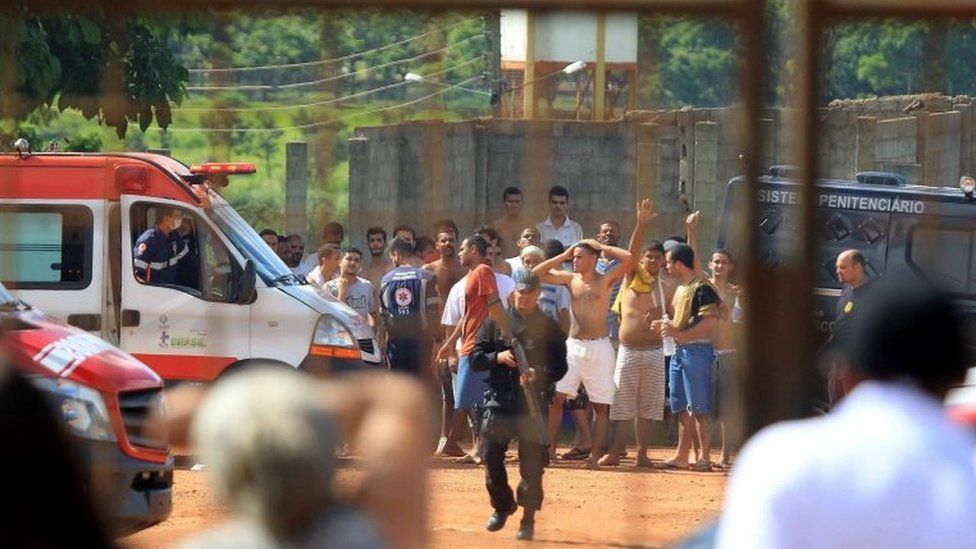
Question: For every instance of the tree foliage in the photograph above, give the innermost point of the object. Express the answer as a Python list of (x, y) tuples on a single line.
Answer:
[(119, 71)]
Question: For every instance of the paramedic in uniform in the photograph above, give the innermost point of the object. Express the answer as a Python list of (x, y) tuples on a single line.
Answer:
[(158, 251)]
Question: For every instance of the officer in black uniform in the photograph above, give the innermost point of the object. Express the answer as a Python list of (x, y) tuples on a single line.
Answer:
[(158, 251), (506, 408)]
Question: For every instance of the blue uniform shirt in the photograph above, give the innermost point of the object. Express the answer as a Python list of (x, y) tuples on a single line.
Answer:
[(156, 256)]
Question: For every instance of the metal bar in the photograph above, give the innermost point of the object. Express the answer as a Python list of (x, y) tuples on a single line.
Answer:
[(529, 100), (717, 8), (600, 81)]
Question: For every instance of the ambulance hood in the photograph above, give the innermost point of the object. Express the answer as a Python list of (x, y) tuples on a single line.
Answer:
[(39, 345), (322, 302)]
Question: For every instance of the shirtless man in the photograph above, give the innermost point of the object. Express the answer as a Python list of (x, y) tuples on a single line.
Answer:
[(639, 375), (379, 262), (447, 271), (589, 352), (510, 225), (722, 266)]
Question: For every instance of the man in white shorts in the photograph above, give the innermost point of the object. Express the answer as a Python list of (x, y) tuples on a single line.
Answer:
[(589, 353)]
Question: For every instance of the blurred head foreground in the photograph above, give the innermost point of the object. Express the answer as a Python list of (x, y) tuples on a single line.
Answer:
[(271, 447), (909, 332)]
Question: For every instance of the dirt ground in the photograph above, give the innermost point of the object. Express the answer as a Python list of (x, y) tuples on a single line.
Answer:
[(620, 506)]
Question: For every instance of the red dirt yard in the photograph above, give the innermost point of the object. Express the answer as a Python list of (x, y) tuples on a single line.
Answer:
[(618, 506)]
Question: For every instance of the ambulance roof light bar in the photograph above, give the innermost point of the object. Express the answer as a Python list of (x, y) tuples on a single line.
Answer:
[(223, 168)]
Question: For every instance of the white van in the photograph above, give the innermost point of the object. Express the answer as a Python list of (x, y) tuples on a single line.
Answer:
[(68, 225)]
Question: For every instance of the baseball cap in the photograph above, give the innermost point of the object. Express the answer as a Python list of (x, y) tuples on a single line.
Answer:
[(525, 280)]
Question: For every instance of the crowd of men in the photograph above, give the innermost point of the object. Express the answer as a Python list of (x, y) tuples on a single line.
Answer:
[(613, 335)]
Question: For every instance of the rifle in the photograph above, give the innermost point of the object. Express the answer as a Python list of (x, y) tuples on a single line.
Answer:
[(531, 392)]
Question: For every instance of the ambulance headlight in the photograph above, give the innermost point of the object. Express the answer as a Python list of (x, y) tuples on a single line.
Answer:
[(968, 185), (330, 332), (81, 409)]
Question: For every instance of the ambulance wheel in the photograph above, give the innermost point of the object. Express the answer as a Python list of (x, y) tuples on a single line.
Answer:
[(251, 364)]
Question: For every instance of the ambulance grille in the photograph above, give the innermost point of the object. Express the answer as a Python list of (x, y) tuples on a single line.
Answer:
[(366, 346), (137, 409)]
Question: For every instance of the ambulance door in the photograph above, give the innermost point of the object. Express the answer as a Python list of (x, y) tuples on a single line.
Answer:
[(50, 257), (193, 329)]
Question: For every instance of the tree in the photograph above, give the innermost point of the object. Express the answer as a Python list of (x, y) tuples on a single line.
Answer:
[(118, 70)]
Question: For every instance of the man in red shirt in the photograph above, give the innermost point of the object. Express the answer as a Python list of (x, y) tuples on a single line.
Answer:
[(481, 299)]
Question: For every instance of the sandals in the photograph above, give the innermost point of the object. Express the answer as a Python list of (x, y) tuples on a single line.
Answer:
[(703, 466), (576, 453)]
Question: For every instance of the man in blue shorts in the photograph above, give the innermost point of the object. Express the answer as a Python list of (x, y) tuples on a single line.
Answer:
[(696, 308)]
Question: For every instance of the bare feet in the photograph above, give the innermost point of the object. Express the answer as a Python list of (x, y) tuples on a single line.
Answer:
[(448, 449), (610, 459), (468, 459), (671, 464), (644, 461), (592, 463)]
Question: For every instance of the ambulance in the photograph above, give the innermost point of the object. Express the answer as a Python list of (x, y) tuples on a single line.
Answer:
[(68, 226), (106, 401)]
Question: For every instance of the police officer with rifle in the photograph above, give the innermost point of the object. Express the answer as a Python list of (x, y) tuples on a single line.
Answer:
[(517, 398)]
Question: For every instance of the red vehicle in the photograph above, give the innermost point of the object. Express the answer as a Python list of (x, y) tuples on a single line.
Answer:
[(106, 399)]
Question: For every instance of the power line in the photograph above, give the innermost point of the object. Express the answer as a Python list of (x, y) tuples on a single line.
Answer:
[(350, 74), (335, 59), (334, 99), (323, 122)]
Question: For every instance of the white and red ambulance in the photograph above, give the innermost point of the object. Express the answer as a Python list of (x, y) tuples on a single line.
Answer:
[(107, 401), (68, 224)]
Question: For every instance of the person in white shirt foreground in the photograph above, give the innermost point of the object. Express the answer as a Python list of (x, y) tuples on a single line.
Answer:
[(886, 467)]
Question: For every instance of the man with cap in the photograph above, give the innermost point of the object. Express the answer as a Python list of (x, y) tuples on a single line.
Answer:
[(507, 409)]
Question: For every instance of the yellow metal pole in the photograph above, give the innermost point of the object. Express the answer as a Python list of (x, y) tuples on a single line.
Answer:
[(528, 94), (600, 82)]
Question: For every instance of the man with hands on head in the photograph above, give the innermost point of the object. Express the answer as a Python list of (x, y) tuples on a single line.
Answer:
[(590, 354)]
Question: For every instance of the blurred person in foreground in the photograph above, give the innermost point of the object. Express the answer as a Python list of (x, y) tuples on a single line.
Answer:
[(886, 467), (269, 437), (47, 503), (508, 412)]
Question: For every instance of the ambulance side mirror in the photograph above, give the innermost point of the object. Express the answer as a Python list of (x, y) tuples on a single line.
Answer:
[(246, 283)]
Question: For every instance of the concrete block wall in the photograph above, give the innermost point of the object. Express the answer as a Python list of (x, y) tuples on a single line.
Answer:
[(939, 153), (416, 172)]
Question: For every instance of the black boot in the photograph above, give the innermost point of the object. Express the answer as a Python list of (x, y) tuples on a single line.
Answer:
[(498, 519), (526, 529)]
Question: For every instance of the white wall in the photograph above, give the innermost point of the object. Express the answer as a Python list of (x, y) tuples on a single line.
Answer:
[(513, 26), (569, 36)]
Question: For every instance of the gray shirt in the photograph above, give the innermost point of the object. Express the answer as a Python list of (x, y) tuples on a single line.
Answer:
[(359, 296)]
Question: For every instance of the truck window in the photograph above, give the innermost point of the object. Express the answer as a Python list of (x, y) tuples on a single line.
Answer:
[(205, 268), (944, 256), (46, 247)]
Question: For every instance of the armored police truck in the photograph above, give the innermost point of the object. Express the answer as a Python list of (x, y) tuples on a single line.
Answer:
[(896, 226)]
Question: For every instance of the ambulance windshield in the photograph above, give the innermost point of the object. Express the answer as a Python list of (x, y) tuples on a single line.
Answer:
[(5, 296), (268, 265)]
